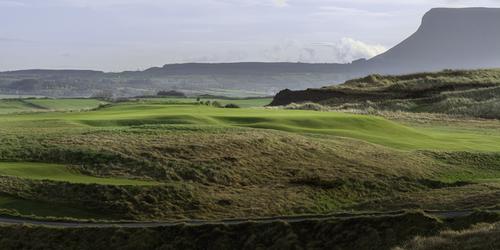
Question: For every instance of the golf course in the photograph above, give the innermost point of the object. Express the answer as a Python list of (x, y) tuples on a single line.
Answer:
[(161, 158)]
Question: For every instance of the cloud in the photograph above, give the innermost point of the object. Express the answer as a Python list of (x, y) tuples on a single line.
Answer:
[(8, 3), (281, 3)]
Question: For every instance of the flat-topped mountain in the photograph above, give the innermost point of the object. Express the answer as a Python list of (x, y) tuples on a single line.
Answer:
[(466, 38)]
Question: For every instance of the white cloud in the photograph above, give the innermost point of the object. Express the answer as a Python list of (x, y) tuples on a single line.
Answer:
[(281, 3), (8, 3)]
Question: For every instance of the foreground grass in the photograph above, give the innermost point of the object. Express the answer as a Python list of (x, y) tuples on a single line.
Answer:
[(55, 172), (227, 163)]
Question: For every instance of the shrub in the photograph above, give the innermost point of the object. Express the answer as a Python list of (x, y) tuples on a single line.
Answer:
[(231, 106), (217, 104)]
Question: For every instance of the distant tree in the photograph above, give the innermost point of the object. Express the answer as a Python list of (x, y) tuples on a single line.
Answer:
[(231, 106), (217, 104)]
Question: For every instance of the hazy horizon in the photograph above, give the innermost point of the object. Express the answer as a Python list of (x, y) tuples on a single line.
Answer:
[(112, 35)]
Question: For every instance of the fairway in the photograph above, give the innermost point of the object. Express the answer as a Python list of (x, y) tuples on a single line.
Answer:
[(9, 106), (363, 127), (55, 172), (65, 104)]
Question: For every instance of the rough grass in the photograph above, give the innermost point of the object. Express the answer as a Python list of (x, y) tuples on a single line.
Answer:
[(480, 236), (473, 93), (19, 207)]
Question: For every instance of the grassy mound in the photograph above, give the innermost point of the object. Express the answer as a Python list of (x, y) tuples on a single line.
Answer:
[(466, 93)]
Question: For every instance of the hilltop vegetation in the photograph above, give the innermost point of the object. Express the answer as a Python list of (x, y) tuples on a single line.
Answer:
[(465, 93)]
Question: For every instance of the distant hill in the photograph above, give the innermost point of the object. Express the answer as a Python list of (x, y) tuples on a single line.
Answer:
[(447, 39), (227, 79), (466, 38)]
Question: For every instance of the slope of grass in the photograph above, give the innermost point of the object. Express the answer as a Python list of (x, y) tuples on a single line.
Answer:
[(244, 103), (369, 128), (65, 104), (8, 106), (54, 172)]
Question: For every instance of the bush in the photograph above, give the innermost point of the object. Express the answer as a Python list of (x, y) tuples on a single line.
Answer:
[(231, 106), (217, 104)]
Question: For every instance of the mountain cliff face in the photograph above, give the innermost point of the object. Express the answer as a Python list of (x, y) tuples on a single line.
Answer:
[(466, 38)]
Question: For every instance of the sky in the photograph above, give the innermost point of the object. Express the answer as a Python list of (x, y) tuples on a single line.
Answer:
[(116, 35)]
